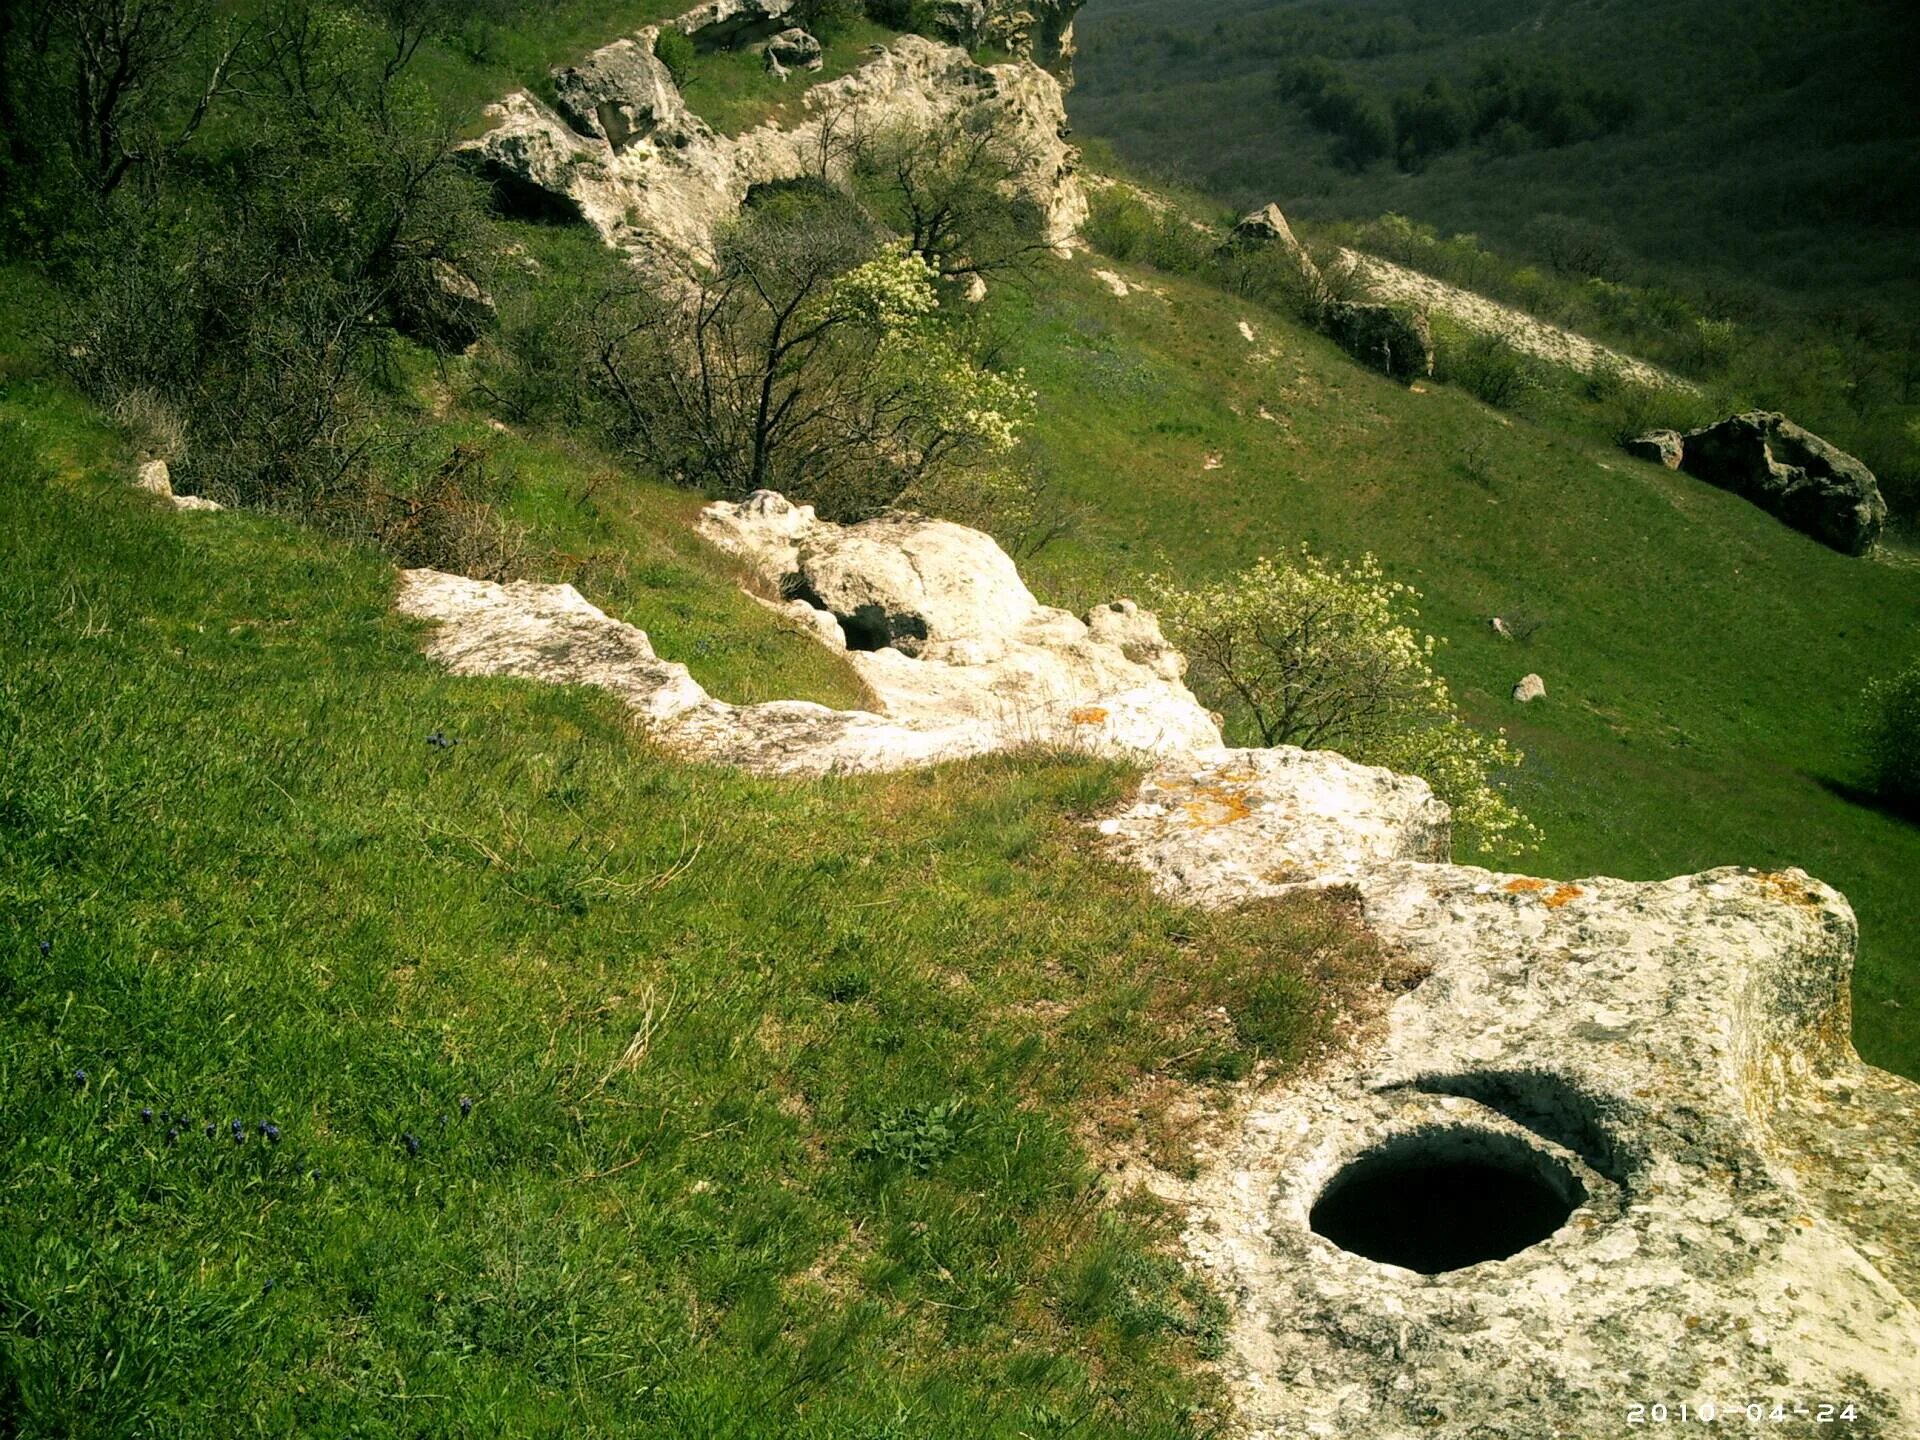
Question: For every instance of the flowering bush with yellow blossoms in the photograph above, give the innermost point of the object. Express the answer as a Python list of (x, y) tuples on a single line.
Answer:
[(1301, 652)]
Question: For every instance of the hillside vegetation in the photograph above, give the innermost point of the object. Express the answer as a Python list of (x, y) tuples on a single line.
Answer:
[(1729, 190), (387, 1052)]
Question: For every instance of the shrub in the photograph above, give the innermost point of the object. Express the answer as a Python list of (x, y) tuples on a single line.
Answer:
[(676, 52), (1891, 737), (1490, 369), (1300, 652)]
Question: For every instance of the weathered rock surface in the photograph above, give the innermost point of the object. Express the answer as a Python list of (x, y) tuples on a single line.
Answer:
[(794, 49), (659, 191), (619, 92), (1660, 447), (1528, 689), (154, 477), (1793, 474), (1732, 1196), (940, 627), (965, 662), (1395, 341), (734, 24), (1039, 30), (1268, 226)]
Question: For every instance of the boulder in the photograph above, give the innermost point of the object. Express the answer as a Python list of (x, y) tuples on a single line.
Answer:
[(734, 24), (1792, 474), (1660, 447), (618, 93), (1395, 341), (1266, 226), (794, 49), (1530, 689)]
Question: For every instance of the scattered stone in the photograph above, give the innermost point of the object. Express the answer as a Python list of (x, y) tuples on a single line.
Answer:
[(1395, 341), (1113, 282), (1792, 474), (1530, 688), (1499, 627), (619, 93), (794, 49), (1661, 447)]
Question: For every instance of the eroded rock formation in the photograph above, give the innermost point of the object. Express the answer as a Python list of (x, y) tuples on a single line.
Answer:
[(1605, 1153), (1614, 1147), (959, 657), (655, 180)]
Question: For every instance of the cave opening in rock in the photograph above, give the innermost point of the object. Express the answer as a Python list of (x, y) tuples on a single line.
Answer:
[(1435, 1201)]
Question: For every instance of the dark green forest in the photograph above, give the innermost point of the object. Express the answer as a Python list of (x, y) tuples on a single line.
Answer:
[(1775, 139)]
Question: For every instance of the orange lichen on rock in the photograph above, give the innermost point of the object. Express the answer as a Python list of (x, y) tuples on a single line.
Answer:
[(1784, 888), (1216, 805), (1089, 715), (1555, 895)]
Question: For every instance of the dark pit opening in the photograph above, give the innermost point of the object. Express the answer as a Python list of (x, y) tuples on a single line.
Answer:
[(1435, 1201)]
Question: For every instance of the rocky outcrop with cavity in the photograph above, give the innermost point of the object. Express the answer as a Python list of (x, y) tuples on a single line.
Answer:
[(959, 657), (939, 626), (1395, 341), (1792, 474), (1615, 1148), (628, 159)]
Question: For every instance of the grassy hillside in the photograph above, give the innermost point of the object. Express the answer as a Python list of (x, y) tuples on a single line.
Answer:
[(1702, 661), (787, 1099), (1771, 142)]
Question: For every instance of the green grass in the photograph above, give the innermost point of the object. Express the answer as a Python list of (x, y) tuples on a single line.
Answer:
[(781, 1089), (733, 90), (1702, 661)]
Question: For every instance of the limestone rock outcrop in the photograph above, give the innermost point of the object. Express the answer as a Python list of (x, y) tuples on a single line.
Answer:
[(1658, 447), (941, 629), (656, 181), (1039, 30), (963, 661), (154, 477), (619, 93), (734, 24), (1793, 474), (1528, 689), (1396, 341), (1603, 1154)]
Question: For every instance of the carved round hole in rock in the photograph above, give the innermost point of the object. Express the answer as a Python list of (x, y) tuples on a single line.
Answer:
[(1439, 1200)]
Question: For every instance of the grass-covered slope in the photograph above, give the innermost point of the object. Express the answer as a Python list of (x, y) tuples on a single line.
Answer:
[(775, 1086), (1702, 661)]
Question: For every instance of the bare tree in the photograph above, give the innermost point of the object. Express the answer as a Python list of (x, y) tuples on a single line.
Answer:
[(958, 192), (130, 107)]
